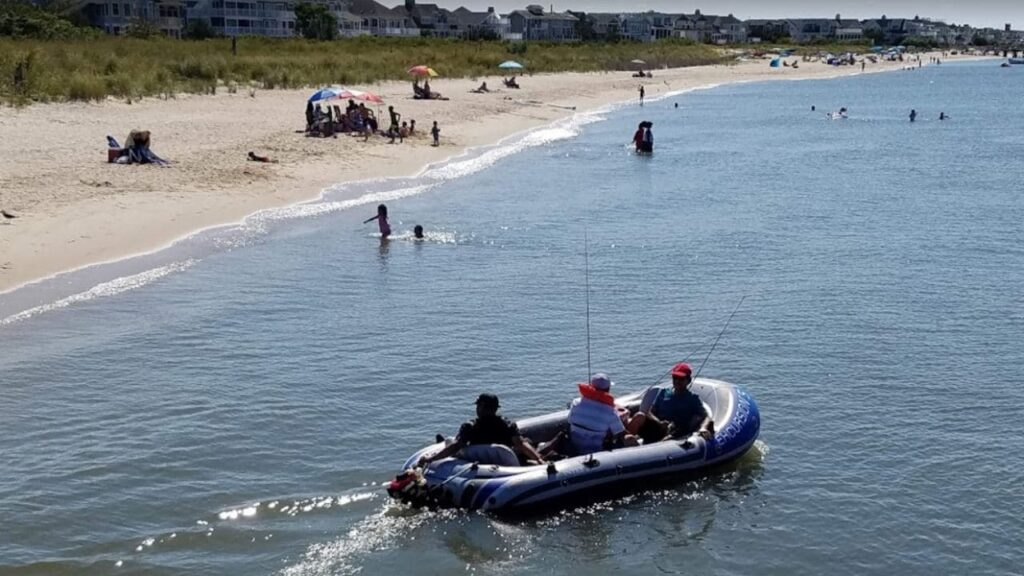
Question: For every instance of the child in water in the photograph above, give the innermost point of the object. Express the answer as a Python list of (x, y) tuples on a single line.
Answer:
[(382, 221)]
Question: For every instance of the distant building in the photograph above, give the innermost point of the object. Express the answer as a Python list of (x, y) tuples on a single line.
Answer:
[(474, 25), (711, 29), (767, 30), (379, 20), (116, 16), (535, 24)]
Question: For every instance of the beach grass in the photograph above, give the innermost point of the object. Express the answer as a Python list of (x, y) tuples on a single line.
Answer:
[(127, 68)]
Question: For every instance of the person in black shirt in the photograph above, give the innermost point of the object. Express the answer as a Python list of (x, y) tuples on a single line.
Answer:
[(488, 428)]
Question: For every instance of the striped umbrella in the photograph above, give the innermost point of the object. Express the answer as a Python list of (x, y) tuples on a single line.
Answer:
[(346, 94), (325, 94), (422, 70)]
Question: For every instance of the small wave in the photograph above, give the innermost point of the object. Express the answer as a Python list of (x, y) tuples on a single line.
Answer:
[(389, 525), (293, 508), (106, 289)]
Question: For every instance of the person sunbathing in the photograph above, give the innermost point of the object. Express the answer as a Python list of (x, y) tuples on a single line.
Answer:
[(511, 82), (483, 88), (255, 158)]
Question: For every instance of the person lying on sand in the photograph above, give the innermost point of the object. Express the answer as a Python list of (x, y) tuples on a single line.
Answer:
[(481, 89), (254, 158)]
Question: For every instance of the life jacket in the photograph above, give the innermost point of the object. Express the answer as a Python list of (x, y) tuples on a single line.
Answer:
[(588, 391)]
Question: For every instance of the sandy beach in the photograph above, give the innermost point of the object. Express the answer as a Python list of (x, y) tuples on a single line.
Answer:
[(74, 209)]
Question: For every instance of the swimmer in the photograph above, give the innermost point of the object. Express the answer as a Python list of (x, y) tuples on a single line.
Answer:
[(418, 232), (382, 221)]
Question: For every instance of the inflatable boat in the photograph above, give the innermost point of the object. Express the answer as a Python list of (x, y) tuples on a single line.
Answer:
[(489, 478)]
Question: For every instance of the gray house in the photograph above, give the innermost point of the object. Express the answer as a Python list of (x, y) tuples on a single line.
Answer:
[(469, 24), (709, 28), (431, 19), (810, 29), (380, 20), (116, 16), (535, 24)]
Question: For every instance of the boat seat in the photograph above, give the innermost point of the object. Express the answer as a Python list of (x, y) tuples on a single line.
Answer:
[(489, 454), (647, 400)]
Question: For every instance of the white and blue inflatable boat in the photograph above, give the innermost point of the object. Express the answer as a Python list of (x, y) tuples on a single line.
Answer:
[(489, 477)]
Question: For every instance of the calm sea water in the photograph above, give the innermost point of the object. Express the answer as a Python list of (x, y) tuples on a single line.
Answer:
[(236, 410)]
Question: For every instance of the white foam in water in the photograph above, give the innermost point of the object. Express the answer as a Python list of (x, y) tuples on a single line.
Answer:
[(372, 533), (111, 288)]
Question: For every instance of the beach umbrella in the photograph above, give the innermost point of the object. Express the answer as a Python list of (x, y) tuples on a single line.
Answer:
[(325, 94), (510, 65), (637, 61), (422, 70), (346, 94)]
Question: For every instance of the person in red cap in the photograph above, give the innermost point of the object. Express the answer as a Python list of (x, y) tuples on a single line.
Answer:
[(677, 413), (488, 428)]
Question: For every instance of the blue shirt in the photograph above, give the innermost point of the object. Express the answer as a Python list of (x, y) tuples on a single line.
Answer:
[(685, 410)]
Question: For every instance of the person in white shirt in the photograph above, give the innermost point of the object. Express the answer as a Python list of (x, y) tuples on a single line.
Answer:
[(595, 424)]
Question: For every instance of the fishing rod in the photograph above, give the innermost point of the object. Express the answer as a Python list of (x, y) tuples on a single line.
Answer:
[(697, 373), (586, 272), (688, 356)]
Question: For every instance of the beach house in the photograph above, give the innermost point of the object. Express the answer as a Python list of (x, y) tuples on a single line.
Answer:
[(116, 16), (477, 25), (709, 28), (535, 24)]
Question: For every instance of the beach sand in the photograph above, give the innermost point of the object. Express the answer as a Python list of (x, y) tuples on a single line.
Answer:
[(74, 209)]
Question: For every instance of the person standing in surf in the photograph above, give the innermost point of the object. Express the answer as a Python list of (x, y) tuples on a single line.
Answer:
[(638, 138), (648, 146), (641, 94), (382, 221)]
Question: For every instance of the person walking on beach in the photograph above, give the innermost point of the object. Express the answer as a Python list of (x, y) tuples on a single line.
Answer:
[(436, 133), (395, 117), (382, 221), (913, 114), (862, 64), (641, 94)]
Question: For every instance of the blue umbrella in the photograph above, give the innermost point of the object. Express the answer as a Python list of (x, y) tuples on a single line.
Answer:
[(325, 94), (510, 65)]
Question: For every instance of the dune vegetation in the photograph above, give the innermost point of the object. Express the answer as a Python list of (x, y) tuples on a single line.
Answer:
[(34, 70)]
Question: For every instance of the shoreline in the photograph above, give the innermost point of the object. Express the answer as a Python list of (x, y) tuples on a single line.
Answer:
[(71, 220)]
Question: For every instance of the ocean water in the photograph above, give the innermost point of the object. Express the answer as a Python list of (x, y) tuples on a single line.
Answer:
[(234, 404)]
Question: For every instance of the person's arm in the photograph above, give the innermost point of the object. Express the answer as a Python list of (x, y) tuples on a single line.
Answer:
[(368, 220), (707, 425), (448, 450), (707, 428), (526, 448)]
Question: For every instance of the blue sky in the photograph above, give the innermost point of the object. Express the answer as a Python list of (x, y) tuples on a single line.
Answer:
[(979, 13)]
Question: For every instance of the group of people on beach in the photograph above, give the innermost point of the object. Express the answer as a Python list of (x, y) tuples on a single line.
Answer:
[(595, 422), (358, 119), (424, 92)]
